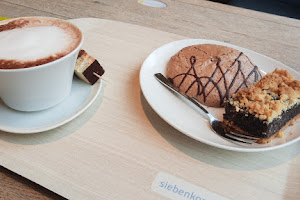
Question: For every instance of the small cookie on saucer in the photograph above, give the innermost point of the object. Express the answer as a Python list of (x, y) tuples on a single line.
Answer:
[(87, 68)]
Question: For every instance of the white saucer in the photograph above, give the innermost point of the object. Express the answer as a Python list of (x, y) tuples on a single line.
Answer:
[(184, 117), (81, 97)]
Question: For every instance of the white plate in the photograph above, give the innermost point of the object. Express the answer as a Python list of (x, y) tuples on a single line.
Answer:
[(184, 117), (81, 97)]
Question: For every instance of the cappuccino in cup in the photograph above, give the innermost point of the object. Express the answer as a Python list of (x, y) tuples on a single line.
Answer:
[(32, 41), (37, 60)]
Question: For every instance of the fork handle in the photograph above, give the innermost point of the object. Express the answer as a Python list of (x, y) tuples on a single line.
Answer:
[(198, 104), (163, 80)]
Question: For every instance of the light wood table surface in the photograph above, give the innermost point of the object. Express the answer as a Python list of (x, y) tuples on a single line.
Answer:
[(274, 36)]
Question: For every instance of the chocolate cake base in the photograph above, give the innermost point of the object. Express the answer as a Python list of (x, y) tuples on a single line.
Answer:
[(247, 123)]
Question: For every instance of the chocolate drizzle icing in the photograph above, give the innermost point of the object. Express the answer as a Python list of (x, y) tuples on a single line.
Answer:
[(203, 81)]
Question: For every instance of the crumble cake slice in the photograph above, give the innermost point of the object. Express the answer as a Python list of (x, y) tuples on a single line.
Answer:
[(265, 108)]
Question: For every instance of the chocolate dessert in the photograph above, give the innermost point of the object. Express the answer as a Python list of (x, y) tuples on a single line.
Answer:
[(88, 68), (211, 73), (265, 108)]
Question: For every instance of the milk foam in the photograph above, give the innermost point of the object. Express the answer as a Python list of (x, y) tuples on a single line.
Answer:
[(32, 43)]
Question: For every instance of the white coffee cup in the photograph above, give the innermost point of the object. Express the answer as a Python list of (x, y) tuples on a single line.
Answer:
[(43, 86)]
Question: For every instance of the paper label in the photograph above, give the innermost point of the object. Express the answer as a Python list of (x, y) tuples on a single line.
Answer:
[(177, 189)]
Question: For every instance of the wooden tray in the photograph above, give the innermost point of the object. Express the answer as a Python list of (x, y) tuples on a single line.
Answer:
[(119, 146)]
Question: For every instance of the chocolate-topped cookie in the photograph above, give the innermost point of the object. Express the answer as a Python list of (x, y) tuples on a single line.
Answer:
[(211, 73)]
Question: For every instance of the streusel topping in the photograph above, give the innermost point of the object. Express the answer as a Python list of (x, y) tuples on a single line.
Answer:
[(268, 98)]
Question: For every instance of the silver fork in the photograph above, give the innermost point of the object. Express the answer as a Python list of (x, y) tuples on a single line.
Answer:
[(217, 126)]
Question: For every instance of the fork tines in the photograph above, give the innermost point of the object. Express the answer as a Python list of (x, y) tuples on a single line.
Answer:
[(242, 138)]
